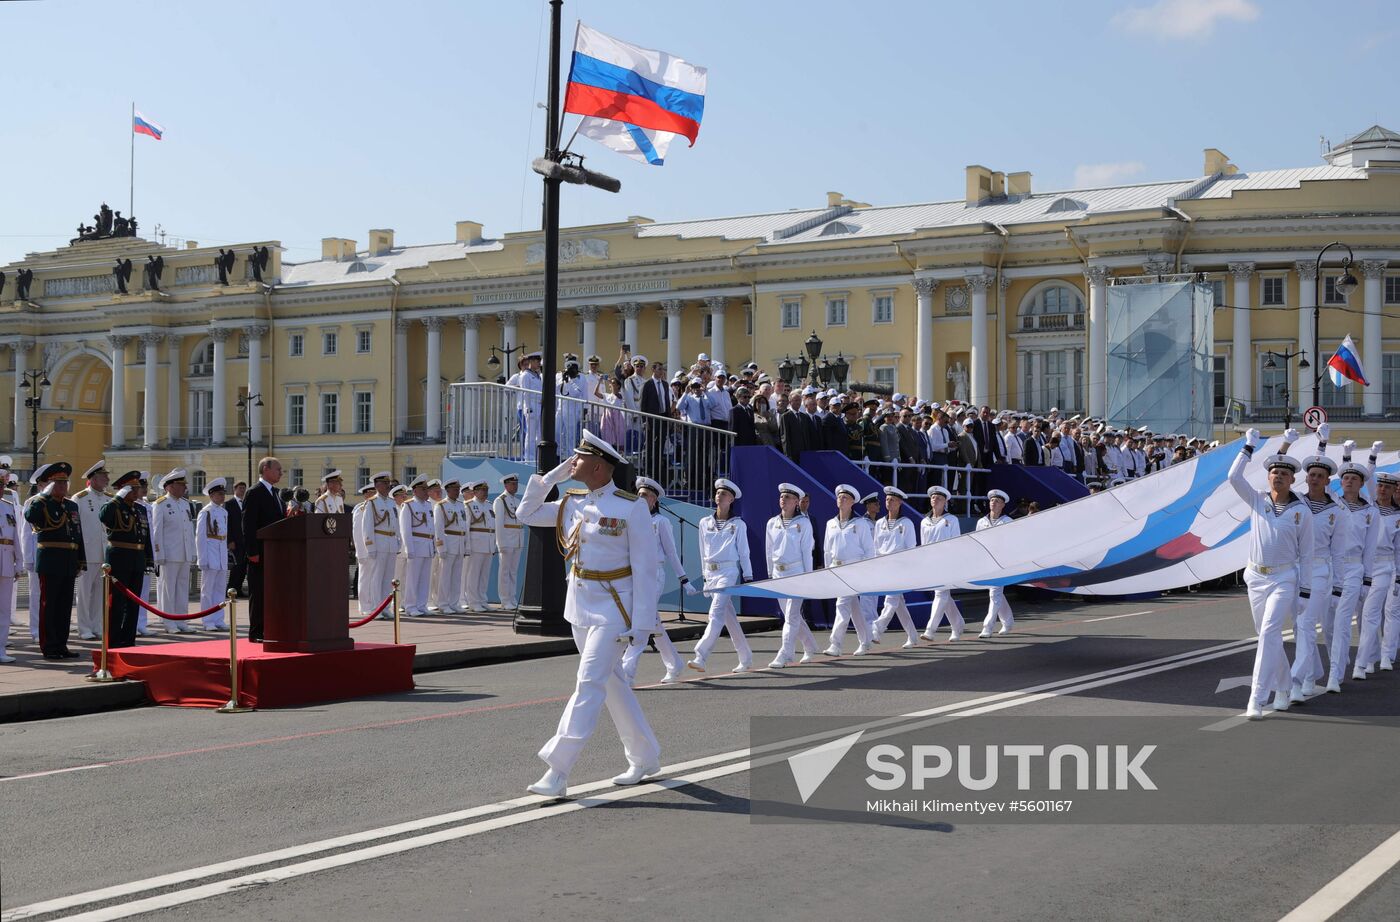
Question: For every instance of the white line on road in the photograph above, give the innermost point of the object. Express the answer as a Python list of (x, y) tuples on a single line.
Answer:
[(55, 771), (1131, 614), (1350, 884)]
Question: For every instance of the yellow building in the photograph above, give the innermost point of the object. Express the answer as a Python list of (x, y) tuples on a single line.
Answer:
[(1000, 292)]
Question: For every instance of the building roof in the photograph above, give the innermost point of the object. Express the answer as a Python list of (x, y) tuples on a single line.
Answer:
[(1227, 186), (1374, 133), (377, 268)]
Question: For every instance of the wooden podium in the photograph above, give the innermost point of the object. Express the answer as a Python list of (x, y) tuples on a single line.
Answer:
[(306, 584)]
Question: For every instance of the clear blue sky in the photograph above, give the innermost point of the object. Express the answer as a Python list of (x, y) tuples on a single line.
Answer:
[(297, 121)]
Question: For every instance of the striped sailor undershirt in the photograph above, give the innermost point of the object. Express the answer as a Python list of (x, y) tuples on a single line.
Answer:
[(1317, 505)]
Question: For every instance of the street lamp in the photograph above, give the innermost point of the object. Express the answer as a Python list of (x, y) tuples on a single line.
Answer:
[(245, 403), (1344, 286), (494, 362), (840, 369), (34, 382), (1286, 357), (786, 370), (824, 372)]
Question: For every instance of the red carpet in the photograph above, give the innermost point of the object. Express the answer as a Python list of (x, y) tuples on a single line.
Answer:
[(196, 674)]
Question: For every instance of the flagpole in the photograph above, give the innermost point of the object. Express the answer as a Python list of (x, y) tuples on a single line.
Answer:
[(131, 189)]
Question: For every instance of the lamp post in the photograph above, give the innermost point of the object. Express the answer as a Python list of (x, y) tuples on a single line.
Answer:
[(494, 361), (1344, 287), (1286, 357), (840, 369), (34, 383), (245, 403), (813, 345), (786, 370)]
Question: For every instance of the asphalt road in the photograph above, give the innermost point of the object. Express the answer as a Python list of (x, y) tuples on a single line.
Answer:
[(413, 806)]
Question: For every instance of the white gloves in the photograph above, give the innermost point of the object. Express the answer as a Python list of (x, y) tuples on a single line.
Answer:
[(1323, 431), (1377, 447), (691, 590), (560, 473), (1290, 435), (635, 637), (1251, 438), (1347, 448)]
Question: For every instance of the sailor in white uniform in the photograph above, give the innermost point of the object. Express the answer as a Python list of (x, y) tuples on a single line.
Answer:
[(510, 543), (362, 549), (940, 525), (870, 603), (651, 493), (895, 533), (400, 494), (1359, 525), (1381, 572), (610, 547), (725, 561), (1315, 588), (10, 563), (450, 537), (1280, 542), (416, 533), (532, 382), (211, 552), (481, 547), (849, 538), (788, 545), (997, 606), (88, 589), (332, 497), (172, 541)]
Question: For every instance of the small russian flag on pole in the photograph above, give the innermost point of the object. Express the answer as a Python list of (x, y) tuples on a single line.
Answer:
[(1345, 365), (142, 125)]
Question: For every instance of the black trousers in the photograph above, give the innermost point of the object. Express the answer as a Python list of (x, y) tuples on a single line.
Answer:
[(55, 612), (255, 601), (121, 611), (238, 573)]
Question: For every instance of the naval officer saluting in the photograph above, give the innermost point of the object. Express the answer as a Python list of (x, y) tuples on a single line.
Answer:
[(611, 550)]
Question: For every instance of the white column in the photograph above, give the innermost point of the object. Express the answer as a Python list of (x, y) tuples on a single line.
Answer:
[(509, 335), (471, 346), (400, 376), (1373, 271), (1037, 382), (149, 416), (255, 332), (173, 378), (1307, 301), (977, 286), (118, 344), (22, 347), (1242, 353), (432, 389), (923, 338), (1004, 325), (630, 311), (716, 307), (1096, 374), (588, 315), (673, 308), (218, 431)]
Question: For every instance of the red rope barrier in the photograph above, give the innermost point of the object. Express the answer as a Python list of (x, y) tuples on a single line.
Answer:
[(156, 611), (374, 614)]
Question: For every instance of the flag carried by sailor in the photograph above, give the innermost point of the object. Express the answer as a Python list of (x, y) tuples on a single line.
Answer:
[(633, 100), (1345, 365)]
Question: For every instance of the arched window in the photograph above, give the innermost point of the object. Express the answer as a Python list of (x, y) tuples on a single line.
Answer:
[(1052, 306), (1056, 299), (197, 481), (202, 360)]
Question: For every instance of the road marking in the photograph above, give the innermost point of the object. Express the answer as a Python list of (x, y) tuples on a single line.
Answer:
[(56, 771), (974, 707), (1350, 884), (1131, 614), (1236, 681)]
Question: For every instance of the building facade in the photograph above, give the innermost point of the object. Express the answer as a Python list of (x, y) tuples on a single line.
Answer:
[(998, 298)]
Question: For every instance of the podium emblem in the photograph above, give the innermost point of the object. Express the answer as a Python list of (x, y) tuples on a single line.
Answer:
[(330, 524)]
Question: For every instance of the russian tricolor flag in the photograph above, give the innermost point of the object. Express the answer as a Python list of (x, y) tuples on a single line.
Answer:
[(1345, 365), (634, 100), (142, 125)]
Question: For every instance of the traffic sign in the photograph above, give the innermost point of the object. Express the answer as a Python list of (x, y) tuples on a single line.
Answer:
[(1314, 417)]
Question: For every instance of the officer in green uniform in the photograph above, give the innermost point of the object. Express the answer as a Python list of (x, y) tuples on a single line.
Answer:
[(128, 554), (870, 431), (59, 534)]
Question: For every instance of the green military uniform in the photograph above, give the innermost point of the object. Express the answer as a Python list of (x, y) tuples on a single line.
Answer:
[(129, 555), (59, 558)]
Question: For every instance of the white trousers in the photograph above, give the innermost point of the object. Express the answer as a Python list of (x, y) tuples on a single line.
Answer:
[(944, 606), (447, 582), (531, 435), (376, 575), (145, 594), (7, 609), (33, 580), (1368, 649), (476, 574), (400, 574), (213, 588), (632, 658), (723, 618), (600, 682), (173, 592), (415, 585), (1307, 656), (1272, 600), (870, 609), (997, 608), (87, 596), (848, 613), (1390, 636), (434, 583), (1336, 629), (508, 577), (895, 605), (795, 629)]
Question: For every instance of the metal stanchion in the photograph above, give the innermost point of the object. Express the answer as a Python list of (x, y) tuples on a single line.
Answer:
[(232, 707), (395, 604), (102, 675)]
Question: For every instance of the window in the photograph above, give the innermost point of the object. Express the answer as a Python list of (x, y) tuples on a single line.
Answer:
[(1057, 299), (296, 414), (665, 328), (298, 478), (1217, 291), (296, 345), (409, 473), (330, 411), (579, 325), (836, 312), (330, 342), (1056, 383), (197, 481), (621, 330), (882, 375), (364, 411), (202, 362), (1390, 379), (791, 315), (1273, 383), (884, 309), (361, 477), (1271, 290), (201, 414), (707, 325), (1330, 295), (1392, 289), (1218, 370), (1076, 398), (362, 341), (748, 320)]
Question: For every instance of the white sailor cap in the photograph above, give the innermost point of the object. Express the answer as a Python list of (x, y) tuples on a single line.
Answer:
[(639, 360), (6, 462), (1000, 493), (936, 490), (872, 497), (590, 444), (475, 484), (792, 488), (434, 483), (702, 357), (726, 484), (680, 375), (1321, 461), (848, 490), (537, 354), (896, 491), (420, 481), (367, 488), (646, 483), (511, 477), (145, 476), (218, 483), (1273, 461), (333, 475), (1117, 482), (398, 488), (382, 475), (448, 483), (175, 476), (99, 466), (1352, 467), (1387, 477)]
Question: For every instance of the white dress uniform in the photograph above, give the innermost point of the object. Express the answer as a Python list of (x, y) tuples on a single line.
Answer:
[(870, 604), (891, 537), (848, 542), (666, 551), (211, 541), (1358, 524), (88, 589), (724, 555), (328, 504), (1280, 541), (1378, 594), (172, 542), (450, 536), (529, 408), (481, 546), (377, 546), (997, 606), (416, 533), (611, 549), (11, 565), (788, 545), (29, 551), (510, 544), (1315, 592), (932, 530)]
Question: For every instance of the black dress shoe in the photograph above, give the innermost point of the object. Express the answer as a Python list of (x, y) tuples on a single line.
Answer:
[(254, 639)]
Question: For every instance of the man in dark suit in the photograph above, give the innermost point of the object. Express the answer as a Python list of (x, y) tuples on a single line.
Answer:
[(741, 419), (239, 570), (656, 401), (261, 507), (793, 433), (911, 451)]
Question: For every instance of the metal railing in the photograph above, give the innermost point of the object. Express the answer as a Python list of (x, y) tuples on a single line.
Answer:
[(1052, 322), (491, 420), (915, 479)]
